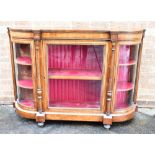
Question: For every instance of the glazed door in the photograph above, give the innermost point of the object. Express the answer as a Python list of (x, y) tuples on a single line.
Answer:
[(24, 67), (75, 75), (126, 59)]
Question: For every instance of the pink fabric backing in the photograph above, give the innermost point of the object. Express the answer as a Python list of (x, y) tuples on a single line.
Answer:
[(74, 93), (75, 60)]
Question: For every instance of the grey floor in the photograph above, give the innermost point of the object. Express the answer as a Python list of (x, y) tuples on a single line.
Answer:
[(11, 123)]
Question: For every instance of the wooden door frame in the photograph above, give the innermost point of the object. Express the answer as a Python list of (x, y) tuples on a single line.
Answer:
[(45, 73), (115, 75), (33, 57)]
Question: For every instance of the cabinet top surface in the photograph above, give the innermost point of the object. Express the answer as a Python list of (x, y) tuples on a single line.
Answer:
[(72, 34), (48, 29)]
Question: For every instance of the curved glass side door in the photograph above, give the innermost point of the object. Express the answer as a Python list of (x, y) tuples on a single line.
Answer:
[(126, 75), (23, 59)]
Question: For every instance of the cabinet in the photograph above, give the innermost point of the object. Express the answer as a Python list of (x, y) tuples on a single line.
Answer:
[(79, 75)]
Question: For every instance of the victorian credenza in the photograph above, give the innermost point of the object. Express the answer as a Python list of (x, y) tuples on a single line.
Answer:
[(78, 75)]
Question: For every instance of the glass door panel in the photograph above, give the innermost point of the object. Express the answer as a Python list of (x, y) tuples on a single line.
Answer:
[(23, 70), (74, 93), (75, 75), (126, 75)]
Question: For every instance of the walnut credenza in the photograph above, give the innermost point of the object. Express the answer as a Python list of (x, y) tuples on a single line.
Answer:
[(79, 75)]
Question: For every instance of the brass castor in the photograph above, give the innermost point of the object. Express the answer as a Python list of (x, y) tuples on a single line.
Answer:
[(40, 124), (107, 126)]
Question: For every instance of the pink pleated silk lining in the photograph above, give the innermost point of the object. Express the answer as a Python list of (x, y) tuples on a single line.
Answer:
[(79, 60)]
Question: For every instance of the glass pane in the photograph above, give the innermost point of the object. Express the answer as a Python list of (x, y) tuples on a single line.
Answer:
[(74, 93), (23, 70), (75, 74), (126, 75)]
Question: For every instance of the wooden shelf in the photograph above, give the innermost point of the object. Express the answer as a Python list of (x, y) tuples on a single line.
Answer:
[(25, 84), (131, 62), (27, 103), (74, 74), (24, 61), (124, 86), (74, 105)]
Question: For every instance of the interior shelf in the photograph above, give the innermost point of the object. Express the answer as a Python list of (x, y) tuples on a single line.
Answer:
[(27, 103), (131, 62), (75, 105), (24, 60), (74, 74), (25, 84), (124, 86)]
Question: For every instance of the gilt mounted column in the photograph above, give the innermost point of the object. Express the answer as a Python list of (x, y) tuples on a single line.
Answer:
[(37, 40)]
